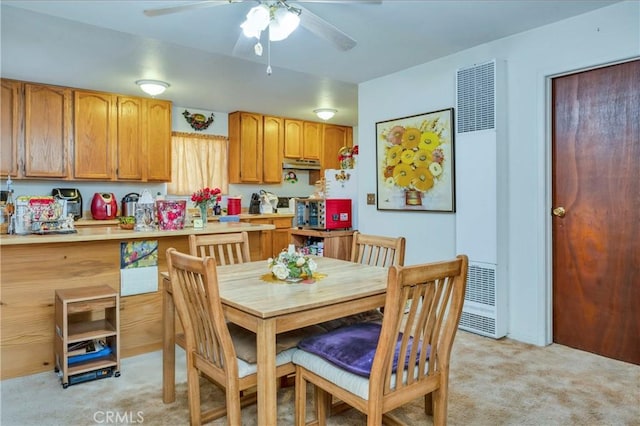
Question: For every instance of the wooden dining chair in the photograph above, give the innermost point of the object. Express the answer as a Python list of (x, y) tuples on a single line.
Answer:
[(231, 249), (226, 249), (376, 250), (377, 368), (209, 348), (372, 250)]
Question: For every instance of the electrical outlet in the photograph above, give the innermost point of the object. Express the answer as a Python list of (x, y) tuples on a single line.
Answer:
[(371, 198)]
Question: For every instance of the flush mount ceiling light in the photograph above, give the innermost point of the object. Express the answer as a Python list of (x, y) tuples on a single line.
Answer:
[(152, 87), (325, 113)]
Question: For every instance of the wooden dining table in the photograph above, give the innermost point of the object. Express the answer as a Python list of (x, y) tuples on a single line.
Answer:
[(268, 307)]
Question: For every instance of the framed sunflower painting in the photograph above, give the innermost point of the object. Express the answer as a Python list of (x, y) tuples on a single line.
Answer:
[(415, 168)]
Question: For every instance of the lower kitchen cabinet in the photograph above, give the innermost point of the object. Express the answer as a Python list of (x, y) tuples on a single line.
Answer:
[(266, 244), (337, 244)]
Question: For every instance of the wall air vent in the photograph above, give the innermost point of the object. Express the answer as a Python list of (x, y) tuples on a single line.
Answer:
[(476, 98), (480, 313), (481, 195)]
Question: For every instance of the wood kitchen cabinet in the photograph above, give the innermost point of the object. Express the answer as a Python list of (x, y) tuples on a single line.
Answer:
[(47, 131), (334, 137), (245, 147), (130, 153), (66, 133), (95, 135), (266, 244), (312, 141), (11, 98), (273, 143), (302, 139), (293, 138), (255, 148), (158, 140), (122, 137)]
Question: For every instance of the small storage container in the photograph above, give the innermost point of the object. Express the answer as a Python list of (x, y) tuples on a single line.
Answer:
[(171, 214), (233, 205)]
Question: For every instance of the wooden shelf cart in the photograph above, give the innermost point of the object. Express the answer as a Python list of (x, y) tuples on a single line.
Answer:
[(83, 315)]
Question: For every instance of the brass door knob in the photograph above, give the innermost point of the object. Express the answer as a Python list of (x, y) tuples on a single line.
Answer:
[(559, 211)]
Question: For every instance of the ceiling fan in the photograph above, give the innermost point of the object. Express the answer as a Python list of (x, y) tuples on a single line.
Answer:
[(276, 8)]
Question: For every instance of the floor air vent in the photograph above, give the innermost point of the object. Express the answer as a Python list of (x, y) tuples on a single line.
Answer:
[(480, 313)]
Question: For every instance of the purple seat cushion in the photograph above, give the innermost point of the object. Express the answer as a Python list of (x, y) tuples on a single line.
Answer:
[(351, 347)]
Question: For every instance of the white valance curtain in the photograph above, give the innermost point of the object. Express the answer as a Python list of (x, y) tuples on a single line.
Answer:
[(197, 161)]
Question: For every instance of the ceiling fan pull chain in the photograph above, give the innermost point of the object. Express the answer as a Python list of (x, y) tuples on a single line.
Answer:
[(269, 56)]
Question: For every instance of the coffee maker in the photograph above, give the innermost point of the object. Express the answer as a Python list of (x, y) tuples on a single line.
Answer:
[(73, 198)]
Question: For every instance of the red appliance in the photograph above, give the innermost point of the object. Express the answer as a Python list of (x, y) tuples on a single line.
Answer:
[(330, 213), (104, 206)]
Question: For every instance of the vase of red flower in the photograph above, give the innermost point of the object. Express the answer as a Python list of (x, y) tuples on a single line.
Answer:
[(205, 197)]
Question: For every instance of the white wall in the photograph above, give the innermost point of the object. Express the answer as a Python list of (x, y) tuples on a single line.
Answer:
[(605, 36)]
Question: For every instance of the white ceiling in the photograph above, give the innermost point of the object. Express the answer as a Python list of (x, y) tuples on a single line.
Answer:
[(107, 45)]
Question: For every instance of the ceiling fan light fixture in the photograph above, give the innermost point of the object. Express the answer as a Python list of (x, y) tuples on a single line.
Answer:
[(284, 22), (257, 21), (152, 87), (325, 113)]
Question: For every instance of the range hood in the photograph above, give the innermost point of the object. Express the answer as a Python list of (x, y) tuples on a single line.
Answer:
[(290, 163)]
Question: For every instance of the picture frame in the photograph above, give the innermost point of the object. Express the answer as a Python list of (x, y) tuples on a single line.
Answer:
[(415, 167)]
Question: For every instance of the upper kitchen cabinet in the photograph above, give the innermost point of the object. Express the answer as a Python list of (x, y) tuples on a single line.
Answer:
[(312, 141), (302, 139), (255, 148), (11, 98), (333, 138), (130, 154), (245, 147), (293, 138), (47, 131), (95, 135), (273, 143), (158, 140), (122, 138)]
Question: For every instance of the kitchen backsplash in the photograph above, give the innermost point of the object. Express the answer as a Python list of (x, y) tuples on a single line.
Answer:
[(119, 189)]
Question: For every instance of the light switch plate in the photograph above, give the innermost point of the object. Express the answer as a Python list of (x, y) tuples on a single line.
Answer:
[(371, 198)]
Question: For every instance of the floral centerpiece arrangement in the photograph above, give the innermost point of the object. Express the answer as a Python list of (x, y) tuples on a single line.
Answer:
[(292, 266), (206, 196)]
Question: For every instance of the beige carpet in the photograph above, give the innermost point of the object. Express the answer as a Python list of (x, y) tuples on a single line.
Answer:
[(492, 383)]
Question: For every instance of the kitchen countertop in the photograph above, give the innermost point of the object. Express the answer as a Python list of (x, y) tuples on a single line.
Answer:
[(93, 233), (243, 216)]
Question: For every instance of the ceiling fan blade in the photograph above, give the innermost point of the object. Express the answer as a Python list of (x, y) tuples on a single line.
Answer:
[(337, 1), (325, 30), (189, 6)]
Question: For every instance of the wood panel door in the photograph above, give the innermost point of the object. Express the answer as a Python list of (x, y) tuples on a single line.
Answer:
[(273, 142), (47, 131), (311, 140), (131, 151), (10, 110), (293, 137), (94, 135), (596, 238), (158, 140), (334, 138), (245, 147)]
